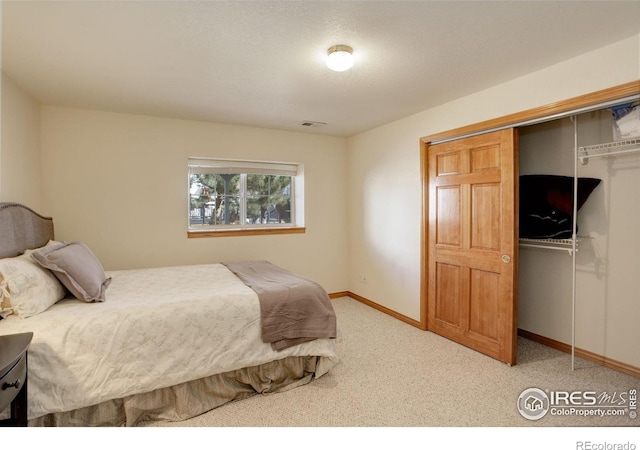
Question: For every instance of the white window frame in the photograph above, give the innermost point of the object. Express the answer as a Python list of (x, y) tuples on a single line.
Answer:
[(244, 167)]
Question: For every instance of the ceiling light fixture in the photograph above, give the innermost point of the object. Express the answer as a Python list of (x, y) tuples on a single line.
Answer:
[(340, 58)]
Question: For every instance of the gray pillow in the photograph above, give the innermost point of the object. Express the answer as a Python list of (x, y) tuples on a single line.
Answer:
[(76, 267)]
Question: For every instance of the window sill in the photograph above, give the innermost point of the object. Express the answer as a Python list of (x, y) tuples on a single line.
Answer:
[(244, 232)]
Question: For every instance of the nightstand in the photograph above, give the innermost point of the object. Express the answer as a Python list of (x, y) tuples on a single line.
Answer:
[(13, 377)]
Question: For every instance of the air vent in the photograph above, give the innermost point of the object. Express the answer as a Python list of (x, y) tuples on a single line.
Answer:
[(310, 123)]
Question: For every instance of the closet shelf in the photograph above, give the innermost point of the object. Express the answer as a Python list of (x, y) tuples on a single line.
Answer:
[(609, 149), (550, 244)]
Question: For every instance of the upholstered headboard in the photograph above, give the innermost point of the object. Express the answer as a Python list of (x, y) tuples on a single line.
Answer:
[(21, 228)]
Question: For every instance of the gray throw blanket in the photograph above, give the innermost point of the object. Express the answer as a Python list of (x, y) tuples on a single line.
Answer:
[(293, 309)]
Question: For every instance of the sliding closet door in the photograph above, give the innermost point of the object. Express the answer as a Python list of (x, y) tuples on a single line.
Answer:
[(472, 245)]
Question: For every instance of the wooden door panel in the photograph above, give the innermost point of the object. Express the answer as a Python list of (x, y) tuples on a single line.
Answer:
[(472, 250), (448, 294), (483, 304), (485, 216), (485, 158), (449, 164), (449, 221)]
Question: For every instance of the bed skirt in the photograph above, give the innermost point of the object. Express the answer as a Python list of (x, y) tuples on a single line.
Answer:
[(193, 398)]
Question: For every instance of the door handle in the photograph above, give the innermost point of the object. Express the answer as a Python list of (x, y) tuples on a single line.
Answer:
[(506, 259)]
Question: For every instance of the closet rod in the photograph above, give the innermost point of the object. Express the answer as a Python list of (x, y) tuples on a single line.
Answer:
[(561, 115)]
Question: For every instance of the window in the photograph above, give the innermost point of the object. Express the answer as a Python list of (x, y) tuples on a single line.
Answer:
[(243, 197)]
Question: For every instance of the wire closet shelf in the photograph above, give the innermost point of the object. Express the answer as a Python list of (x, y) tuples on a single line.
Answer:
[(626, 147), (552, 244)]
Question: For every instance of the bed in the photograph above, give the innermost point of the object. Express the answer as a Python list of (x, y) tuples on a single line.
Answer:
[(155, 344)]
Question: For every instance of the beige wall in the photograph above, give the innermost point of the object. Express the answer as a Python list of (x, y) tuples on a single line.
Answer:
[(384, 169), (20, 148), (118, 182)]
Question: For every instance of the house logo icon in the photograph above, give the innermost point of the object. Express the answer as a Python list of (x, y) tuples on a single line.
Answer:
[(533, 404)]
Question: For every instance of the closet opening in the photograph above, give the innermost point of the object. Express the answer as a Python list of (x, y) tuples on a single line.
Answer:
[(580, 298)]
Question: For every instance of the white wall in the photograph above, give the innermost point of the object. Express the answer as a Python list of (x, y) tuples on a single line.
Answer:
[(384, 168), (20, 155), (118, 182)]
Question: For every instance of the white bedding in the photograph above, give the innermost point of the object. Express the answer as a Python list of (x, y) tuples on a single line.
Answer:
[(157, 328)]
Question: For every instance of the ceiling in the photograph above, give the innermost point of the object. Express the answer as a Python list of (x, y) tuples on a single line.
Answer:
[(261, 63)]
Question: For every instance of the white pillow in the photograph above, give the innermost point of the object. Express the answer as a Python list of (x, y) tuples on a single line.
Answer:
[(26, 288)]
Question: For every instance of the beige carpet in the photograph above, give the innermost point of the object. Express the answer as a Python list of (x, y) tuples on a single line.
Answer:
[(394, 375)]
